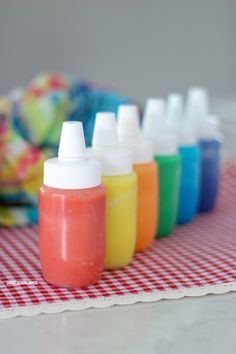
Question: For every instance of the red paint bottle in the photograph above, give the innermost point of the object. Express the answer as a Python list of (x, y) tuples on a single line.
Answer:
[(72, 214)]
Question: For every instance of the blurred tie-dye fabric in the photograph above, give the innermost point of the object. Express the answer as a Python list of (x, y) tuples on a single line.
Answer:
[(30, 125)]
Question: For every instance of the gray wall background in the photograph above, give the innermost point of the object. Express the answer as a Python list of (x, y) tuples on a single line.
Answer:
[(140, 48)]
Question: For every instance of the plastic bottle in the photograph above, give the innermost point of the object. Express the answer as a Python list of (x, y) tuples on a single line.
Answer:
[(129, 135), (167, 158), (72, 214), (209, 138), (120, 183), (189, 152)]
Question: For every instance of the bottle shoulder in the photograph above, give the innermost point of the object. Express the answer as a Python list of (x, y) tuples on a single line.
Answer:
[(190, 150), (167, 158), (93, 192), (145, 167), (210, 142), (129, 177)]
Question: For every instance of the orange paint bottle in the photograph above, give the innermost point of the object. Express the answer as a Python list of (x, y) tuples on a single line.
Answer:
[(129, 134), (72, 214), (147, 203)]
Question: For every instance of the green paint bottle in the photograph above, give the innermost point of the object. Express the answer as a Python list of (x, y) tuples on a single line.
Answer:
[(168, 161)]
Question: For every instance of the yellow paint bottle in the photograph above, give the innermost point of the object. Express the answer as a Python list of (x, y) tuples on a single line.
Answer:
[(120, 183)]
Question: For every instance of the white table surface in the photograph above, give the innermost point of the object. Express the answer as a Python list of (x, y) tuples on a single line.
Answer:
[(203, 325)]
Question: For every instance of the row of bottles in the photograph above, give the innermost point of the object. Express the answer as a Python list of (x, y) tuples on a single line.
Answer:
[(98, 207), (193, 135)]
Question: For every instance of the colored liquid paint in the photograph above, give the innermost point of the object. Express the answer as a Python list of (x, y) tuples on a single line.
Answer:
[(121, 196), (189, 183), (72, 235), (169, 191), (147, 204), (210, 173)]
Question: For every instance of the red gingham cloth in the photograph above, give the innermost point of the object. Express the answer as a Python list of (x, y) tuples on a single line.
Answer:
[(196, 259)]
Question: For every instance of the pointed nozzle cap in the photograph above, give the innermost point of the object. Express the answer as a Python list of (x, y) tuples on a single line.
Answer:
[(128, 121), (72, 169), (210, 128), (154, 106), (104, 134), (130, 137), (197, 104), (176, 121), (72, 144), (114, 160), (174, 110), (154, 117)]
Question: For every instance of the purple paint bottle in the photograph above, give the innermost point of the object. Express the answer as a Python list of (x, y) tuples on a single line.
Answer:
[(209, 139), (210, 146)]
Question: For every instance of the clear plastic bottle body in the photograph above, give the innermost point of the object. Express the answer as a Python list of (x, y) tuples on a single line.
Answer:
[(72, 235), (121, 203)]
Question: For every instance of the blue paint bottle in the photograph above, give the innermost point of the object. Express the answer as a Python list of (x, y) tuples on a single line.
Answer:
[(189, 152), (209, 138)]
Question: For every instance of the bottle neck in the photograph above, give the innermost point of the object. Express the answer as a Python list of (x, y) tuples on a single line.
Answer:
[(79, 174), (141, 149), (115, 161)]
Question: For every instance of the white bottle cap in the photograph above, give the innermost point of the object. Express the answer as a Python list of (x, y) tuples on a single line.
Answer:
[(104, 134), (174, 110), (72, 169), (155, 128), (72, 145), (176, 121), (153, 115), (129, 134), (114, 160), (197, 103), (197, 108), (211, 128)]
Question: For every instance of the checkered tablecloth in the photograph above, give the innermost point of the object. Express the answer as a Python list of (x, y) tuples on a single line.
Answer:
[(197, 259)]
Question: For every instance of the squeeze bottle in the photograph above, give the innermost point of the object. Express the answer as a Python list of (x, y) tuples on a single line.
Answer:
[(209, 138), (129, 135), (167, 159), (72, 214), (189, 152), (120, 183)]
